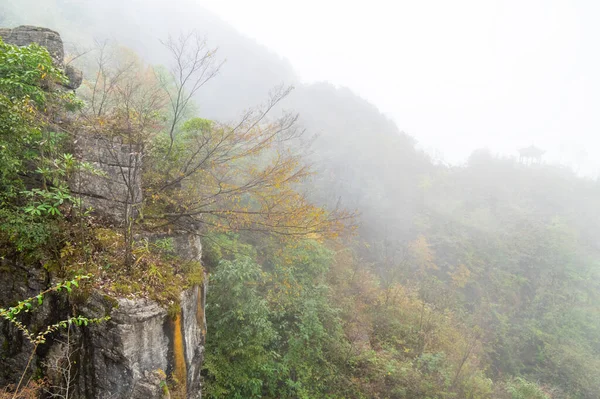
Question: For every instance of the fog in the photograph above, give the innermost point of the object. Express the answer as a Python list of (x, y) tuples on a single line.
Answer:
[(455, 75)]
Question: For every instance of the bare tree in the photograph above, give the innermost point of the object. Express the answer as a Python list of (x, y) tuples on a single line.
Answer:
[(232, 177), (194, 64), (60, 365), (125, 107), (197, 173)]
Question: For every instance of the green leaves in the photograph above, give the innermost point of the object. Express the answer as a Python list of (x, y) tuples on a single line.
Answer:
[(30, 212), (46, 202), (274, 333), (25, 70), (241, 331), (27, 97), (520, 388), (28, 304)]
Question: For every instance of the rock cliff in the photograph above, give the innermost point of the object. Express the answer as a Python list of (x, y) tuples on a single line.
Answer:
[(130, 355)]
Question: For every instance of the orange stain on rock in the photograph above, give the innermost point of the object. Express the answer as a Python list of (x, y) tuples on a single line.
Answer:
[(179, 366)]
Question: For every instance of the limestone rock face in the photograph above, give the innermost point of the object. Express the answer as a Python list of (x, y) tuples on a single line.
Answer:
[(117, 189), (194, 327), (188, 246), (126, 356), (122, 354), (25, 35), (21, 282)]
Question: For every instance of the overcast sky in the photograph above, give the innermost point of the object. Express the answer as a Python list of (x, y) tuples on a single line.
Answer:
[(456, 75)]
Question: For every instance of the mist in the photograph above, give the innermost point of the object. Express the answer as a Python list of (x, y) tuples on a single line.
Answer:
[(456, 76)]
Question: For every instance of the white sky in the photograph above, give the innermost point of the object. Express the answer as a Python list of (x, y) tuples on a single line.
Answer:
[(456, 75)]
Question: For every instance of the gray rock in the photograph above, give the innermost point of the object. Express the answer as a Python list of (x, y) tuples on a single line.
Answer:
[(106, 150), (25, 35), (150, 386), (188, 246), (75, 77), (123, 350), (126, 356), (116, 183), (118, 190), (192, 307)]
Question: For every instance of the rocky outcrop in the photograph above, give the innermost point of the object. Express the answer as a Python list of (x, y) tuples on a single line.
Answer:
[(193, 302), (128, 356), (114, 189), (131, 355), (121, 353), (25, 35)]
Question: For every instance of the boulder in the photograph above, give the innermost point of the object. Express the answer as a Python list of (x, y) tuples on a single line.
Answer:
[(75, 77)]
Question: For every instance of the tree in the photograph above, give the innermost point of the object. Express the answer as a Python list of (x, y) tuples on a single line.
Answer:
[(232, 178), (125, 111), (201, 174), (193, 65), (275, 332), (237, 362), (229, 177)]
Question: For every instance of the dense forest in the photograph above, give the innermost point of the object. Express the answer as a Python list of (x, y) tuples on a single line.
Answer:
[(342, 261)]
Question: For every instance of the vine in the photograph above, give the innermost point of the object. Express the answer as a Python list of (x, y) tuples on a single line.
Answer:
[(38, 338)]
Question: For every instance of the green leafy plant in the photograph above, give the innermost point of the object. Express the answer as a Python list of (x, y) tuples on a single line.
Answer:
[(27, 97), (47, 202), (520, 388)]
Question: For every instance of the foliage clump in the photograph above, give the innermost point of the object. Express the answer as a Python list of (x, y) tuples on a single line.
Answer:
[(32, 165)]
